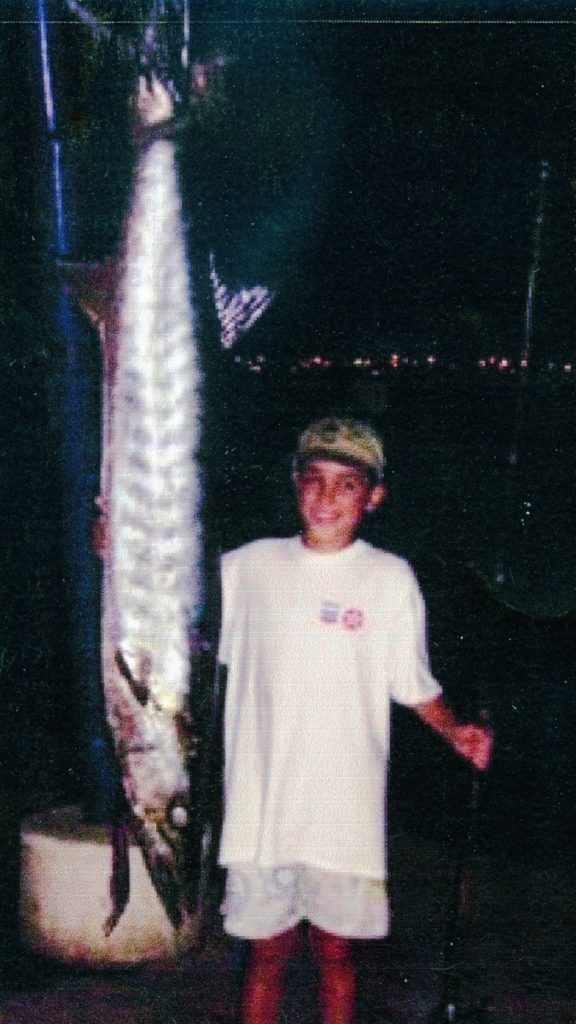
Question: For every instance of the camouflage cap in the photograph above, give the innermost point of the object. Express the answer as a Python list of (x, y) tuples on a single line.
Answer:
[(342, 440)]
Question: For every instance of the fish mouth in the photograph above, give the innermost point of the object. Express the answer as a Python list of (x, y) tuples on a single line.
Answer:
[(165, 839)]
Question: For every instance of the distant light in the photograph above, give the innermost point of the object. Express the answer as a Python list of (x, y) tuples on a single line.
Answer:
[(567, 367), (237, 359), (551, 366), (503, 364), (357, 362), (394, 359), (260, 359), (482, 363), (405, 360), (431, 360), (492, 360), (255, 368), (524, 364), (311, 362)]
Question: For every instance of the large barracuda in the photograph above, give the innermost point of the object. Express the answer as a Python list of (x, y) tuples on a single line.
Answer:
[(151, 503), (153, 573)]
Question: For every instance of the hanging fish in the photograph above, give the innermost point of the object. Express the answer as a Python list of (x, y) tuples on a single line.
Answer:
[(154, 576), (154, 571), (151, 505)]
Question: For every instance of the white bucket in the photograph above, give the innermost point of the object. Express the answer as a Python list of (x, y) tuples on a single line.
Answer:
[(66, 866)]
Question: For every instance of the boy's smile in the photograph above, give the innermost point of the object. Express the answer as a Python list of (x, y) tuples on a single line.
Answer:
[(332, 499)]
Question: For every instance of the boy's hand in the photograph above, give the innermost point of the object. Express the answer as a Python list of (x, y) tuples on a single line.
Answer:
[(474, 743)]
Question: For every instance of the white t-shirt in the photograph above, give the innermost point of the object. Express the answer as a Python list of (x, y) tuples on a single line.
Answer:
[(316, 645)]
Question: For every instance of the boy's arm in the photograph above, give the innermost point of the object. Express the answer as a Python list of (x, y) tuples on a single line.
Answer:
[(472, 742)]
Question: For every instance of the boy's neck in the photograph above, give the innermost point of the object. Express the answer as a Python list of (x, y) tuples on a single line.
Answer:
[(325, 547)]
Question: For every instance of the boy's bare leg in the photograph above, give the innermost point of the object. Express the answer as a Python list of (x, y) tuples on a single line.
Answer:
[(263, 985), (336, 981)]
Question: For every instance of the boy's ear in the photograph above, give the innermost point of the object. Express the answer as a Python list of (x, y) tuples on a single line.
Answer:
[(377, 495)]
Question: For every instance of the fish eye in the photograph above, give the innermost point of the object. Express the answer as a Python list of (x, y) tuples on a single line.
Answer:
[(178, 815)]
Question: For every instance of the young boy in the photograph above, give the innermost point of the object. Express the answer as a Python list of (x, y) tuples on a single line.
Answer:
[(319, 632)]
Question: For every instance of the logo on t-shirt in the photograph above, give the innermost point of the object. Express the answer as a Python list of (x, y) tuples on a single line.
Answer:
[(331, 614), (353, 618)]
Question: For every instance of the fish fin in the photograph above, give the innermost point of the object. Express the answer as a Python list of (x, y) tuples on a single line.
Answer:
[(92, 285), (120, 877), (237, 311)]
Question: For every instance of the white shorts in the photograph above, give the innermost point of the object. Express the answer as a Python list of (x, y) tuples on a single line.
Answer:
[(262, 902)]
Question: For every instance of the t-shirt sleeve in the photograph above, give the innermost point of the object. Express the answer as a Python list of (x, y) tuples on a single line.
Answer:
[(412, 681)]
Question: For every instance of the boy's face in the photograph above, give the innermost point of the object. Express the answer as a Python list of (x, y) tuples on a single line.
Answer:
[(332, 498)]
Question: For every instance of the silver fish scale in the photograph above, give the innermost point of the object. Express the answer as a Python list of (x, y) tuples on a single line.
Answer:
[(155, 488)]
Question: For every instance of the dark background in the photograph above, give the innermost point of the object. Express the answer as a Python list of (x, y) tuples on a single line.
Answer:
[(383, 178)]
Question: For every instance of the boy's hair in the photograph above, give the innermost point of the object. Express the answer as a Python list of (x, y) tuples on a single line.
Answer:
[(349, 441)]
